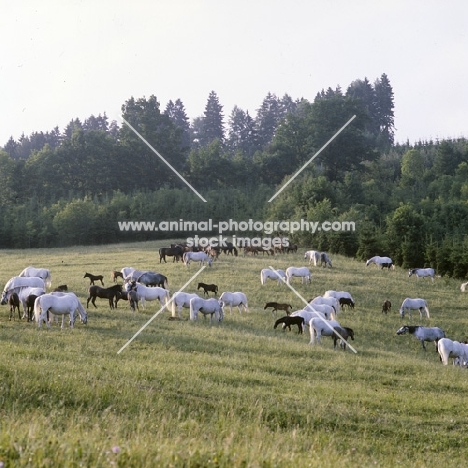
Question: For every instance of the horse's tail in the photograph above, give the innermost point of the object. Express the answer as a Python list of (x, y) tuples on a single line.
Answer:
[(262, 277), (48, 280), (166, 283), (312, 334), (193, 314), (37, 310), (173, 306), (427, 310)]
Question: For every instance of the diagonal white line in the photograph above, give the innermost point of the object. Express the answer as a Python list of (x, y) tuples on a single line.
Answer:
[(164, 160), (161, 309), (311, 159), (310, 305)]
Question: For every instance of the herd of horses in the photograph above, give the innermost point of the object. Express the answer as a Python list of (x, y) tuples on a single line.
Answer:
[(28, 290)]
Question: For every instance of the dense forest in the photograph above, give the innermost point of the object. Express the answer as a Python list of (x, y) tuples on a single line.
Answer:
[(409, 201)]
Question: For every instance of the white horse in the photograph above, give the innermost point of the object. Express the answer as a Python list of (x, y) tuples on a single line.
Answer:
[(266, 273), (234, 299), (327, 310), (201, 257), (181, 299), (58, 305), (302, 272), (206, 306), (146, 293), (307, 315), (17, 284), (23, 294), (312, 256), (339, 295), (320, 327), (126, 272), (423, 333), (414, 304), (448, 348), (382, 262), (31, 272), (463, 287), (331, 301), (422, 272)]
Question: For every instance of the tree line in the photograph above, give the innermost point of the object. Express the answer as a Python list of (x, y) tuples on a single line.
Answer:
[(408, 201)]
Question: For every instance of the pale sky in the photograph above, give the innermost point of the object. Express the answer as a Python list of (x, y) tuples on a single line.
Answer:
[(61, 60)]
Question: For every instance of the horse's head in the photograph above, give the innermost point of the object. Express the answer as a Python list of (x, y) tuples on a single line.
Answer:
[(401, 331), (411, 272), (402, 312), (4, 297)]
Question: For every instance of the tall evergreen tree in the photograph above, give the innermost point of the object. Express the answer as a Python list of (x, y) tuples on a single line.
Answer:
[(176, 112), (213, 125), (385, 115), (267, 119), (242, 135)]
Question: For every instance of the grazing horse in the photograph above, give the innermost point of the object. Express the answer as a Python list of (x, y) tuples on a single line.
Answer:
[(146, 293), (93, 278), (413, 304), (287, 321), (307, 315), (277, 275), (14, 303), (422, 273), (207, 288), (150, 278), (276, 306), (229, 248), (346, 333), (116, 274), (234, 299), (328, 311), (319, 327), (176, 252), (325, 260), (61, 288), (448, 348), (23, 286), (382, 262), (386, 306), (291, 248), (181, 299), (346, 301), (43, 273), (201, 257), (206, 307), (312, 256), (67, 303), (331, 301), (302, 272), (423, 333), (104, 293)]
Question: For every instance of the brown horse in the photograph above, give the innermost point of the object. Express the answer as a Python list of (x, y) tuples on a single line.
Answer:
[(208, 287), (277, 306), (93, 278), (14, 303), (116, 274), (104, 293)]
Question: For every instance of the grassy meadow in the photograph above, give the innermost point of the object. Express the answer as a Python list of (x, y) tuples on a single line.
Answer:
[(236, 393)]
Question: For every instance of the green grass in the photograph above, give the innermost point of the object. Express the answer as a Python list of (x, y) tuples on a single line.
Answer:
[(234, 394)]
